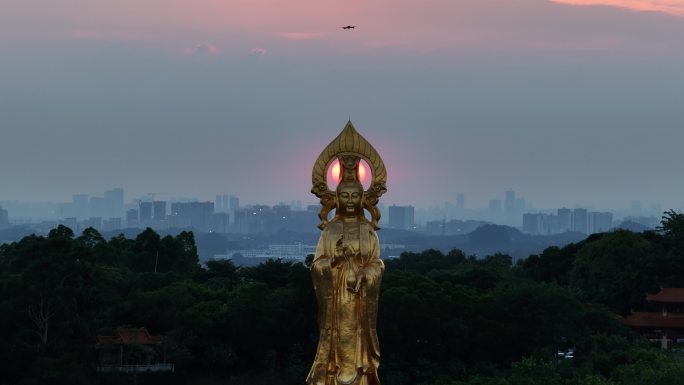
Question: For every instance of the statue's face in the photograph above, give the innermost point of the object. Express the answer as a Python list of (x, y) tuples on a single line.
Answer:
[(349, 197)]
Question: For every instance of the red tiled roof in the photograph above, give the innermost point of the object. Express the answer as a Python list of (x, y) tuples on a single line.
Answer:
[(128, 336), (654, 320), (667, 295)]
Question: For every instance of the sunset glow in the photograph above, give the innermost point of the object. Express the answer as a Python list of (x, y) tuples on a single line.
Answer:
[(674, 7), (336, 172), (362, 173)]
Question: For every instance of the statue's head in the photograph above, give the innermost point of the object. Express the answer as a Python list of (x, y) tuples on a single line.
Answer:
[(349, 198)]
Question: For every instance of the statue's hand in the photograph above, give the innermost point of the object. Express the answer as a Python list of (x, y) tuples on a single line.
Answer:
[(360, 279), (339, 253)]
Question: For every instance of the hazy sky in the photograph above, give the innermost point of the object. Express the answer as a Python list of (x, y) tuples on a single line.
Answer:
[(567, 102)]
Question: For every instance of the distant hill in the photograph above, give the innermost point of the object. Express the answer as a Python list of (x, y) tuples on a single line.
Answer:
[(634, 227), (485, 240)]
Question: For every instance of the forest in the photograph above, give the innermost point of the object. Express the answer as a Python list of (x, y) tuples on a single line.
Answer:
[(444, 319)]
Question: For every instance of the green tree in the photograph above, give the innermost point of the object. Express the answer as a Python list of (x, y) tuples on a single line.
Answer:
[(616, 270)]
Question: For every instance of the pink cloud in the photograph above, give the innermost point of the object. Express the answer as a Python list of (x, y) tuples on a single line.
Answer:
[(673, 7), (258, 51)]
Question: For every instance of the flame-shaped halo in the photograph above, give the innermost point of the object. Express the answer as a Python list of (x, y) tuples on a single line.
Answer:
[(349, 142)]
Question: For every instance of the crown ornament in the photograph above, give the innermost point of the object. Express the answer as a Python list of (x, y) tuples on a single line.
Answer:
[(349, 147)]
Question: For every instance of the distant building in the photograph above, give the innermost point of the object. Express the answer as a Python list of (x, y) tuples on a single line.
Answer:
[(96, 207), (225, 203), (220, 223), (599, 222), (4, 216), (145, 212), (131, 217), (533, 223), (159, 210), (71, 223), (80, 205), (460, 201), (222, 204), (510, 203), (564, 220), (111, 224), (122, 352), (192, 214), (577, 220), (580, 221), (401, 217), (234, 205), (113, 203), (218, 203), (94, 222)]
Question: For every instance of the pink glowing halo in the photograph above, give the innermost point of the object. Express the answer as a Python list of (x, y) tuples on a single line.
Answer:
[(334, 174)]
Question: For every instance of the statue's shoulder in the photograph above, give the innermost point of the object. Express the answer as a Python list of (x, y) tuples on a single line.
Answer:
[(368, 227), (334, 225)]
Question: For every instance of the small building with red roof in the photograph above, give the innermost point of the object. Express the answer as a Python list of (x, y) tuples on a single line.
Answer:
[(665, 326), (131, 350)]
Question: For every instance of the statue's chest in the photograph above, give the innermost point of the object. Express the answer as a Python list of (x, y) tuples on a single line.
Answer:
[(351, 231)]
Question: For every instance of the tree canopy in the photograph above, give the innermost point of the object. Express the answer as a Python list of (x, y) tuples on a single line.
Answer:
[(443, 319)]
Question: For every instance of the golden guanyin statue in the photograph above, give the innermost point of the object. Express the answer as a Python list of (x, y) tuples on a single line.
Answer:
[(347, 270)]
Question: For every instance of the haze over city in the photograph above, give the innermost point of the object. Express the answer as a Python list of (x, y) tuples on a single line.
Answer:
[(566, 103)]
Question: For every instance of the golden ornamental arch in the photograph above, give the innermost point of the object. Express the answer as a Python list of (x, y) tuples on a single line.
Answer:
[(349, 142)]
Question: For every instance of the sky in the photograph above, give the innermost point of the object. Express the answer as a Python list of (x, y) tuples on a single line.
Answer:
[(567, 102)]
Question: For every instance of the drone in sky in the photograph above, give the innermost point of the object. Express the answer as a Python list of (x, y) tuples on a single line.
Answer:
[(349, 27)]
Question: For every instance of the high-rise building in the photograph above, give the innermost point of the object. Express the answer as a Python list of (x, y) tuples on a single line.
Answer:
[(4, 217), (94, 222), (131, 217), (533, 223), (401, 217), (71, 223), (234, 206), (80, 205), (219, 223), (145, 212), (460, 201), (111, 224), (225, 204), (509, 203), (113, 202), (564, 220), (218, 203), (96, 206), (599, 222), (579, 221), (159, 210), (192, 214)]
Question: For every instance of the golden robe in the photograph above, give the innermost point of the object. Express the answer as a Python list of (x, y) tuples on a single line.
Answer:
[(348, 352)]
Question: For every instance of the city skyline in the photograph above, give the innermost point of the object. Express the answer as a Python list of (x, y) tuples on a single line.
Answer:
[(459, 200), (567, 104), (113, 209)]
